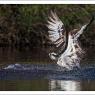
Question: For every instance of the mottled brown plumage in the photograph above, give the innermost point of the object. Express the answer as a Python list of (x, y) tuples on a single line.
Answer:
[(67, 45)]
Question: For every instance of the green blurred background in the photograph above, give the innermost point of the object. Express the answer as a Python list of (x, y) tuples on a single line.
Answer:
[(25, 25)]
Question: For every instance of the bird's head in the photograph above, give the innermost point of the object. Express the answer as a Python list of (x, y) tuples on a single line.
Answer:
[(52, 56)]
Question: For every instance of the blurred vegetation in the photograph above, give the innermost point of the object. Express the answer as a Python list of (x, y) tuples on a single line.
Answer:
[(25, 25)]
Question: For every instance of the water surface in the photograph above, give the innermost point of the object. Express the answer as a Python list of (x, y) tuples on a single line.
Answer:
[(48, 77)]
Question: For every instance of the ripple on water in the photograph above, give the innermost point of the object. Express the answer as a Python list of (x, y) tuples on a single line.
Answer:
[(46, 71)]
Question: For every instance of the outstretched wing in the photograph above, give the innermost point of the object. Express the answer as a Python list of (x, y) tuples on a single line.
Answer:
[(56, 30), (83, 28)]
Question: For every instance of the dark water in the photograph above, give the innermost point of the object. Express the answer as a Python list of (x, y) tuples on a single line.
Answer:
[(27, 70)]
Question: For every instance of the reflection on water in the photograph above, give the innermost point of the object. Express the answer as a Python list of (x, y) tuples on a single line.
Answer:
[(24, 85), (8, 56), (13, 56), (65, 85), (44, 85)]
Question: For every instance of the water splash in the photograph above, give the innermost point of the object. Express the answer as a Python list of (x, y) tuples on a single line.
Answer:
[(46, 71)]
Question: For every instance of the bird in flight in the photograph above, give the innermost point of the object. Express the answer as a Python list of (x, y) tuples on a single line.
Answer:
[(68, 51)]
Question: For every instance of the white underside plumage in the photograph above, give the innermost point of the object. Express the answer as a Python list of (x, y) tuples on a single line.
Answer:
[(69, 58), (57, 35)]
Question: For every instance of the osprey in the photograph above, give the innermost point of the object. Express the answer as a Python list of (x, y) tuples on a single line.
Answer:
[(68, 51)]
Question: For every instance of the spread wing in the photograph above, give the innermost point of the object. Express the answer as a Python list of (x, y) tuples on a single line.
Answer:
[(56, 30), (83, 28)]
